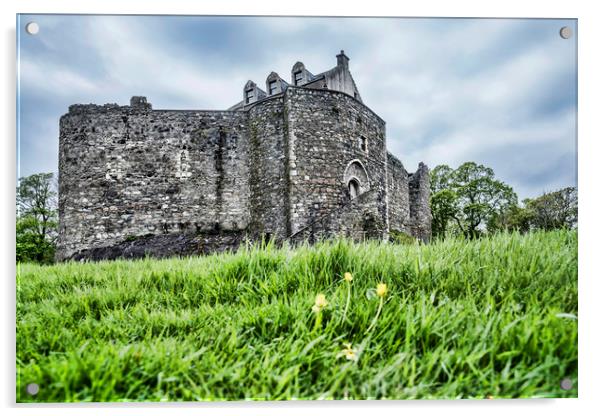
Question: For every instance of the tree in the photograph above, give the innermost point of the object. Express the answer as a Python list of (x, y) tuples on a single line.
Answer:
[(36, 218), (554, 209), (443, 209), (443, 200), (469, 197), (549, 211), (514, 218)]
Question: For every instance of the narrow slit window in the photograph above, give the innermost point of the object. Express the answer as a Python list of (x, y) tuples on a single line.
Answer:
[(363, 144), (273, 87)]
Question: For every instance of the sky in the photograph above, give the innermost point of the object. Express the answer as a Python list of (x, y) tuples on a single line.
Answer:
[(499, 92)]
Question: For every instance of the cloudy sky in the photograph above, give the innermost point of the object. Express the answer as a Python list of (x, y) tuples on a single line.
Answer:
[(500, 92)]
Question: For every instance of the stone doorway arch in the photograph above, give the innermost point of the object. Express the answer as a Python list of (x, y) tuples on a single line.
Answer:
[(355, 179), (354, 188)]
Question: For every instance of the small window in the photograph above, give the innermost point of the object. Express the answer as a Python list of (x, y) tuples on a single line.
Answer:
[(249, 96), (363, 144), (273, 86), (298, 77), (355, 94)]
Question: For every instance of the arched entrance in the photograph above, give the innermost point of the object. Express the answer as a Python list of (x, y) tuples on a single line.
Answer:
[(356, 179), (354, 188)]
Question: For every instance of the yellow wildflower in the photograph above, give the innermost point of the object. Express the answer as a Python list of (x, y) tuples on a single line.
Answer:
[(350, 355), (320, 303), (321, 300), (348, 352), (381, 289), (348, 277)]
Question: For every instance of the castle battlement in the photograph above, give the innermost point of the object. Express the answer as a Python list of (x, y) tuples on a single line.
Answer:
[(284, 164)]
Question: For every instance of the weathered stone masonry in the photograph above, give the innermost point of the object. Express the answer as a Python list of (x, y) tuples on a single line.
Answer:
[(302, 161)]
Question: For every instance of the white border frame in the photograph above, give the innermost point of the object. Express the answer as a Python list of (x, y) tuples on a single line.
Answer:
[(590, 281)]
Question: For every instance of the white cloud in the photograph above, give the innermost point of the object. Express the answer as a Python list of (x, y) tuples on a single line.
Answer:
[(50, 78), (450, 90)]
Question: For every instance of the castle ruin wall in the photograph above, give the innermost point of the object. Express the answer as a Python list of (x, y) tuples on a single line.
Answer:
[(304, 163), (326, 130), (420, 212), (398, 196), (268, 169), (129, 171)]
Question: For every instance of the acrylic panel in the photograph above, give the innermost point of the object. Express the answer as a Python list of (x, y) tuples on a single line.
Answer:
[(233, 208)]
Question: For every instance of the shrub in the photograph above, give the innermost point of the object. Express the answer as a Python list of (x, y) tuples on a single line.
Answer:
[(399, 237)]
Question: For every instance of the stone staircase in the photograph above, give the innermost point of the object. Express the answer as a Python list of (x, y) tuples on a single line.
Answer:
[(330, 223)]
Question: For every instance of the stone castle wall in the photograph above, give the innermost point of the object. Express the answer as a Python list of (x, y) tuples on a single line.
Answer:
[(398, 195), (136, 181), (268, 168), (325, 133), (420, 212), (128, 172), (355, 220)]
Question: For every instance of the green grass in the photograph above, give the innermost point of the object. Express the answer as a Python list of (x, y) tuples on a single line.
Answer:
[(461, 319)]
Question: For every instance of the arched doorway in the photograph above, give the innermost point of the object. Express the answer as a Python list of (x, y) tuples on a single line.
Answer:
[(356, 179), (354, 188)]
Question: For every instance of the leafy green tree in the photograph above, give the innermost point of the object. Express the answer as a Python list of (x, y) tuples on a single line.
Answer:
[(443, 200), (514, 218), (443, 209), (469, 197), (554, 210), (36, 218)]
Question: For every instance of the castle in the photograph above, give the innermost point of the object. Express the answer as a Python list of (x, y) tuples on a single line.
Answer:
[(299, 161)]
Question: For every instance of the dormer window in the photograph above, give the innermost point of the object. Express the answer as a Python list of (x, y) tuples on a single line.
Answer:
[(273, 86), (298, 77), (248, 96)]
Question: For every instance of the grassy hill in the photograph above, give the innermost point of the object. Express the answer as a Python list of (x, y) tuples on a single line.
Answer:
[(494, 317)]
